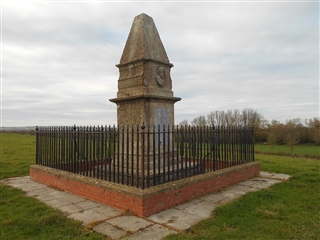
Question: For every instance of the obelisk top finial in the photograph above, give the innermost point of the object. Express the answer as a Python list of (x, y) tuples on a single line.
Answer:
[(143, 42)]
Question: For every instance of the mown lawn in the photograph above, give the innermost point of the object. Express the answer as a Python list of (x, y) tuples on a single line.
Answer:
[(289, 210), (17, 154), (298, 150), (23, 217)]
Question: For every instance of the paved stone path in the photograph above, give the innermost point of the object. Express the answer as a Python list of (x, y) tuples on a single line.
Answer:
[(117, 224)]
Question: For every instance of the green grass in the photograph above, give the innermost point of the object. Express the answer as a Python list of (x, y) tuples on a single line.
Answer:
[(23, 217), (289, 210), (298, 150), (17, 154)]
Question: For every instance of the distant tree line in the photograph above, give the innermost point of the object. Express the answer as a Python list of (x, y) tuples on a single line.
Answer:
[(19, 131), (292, 132)]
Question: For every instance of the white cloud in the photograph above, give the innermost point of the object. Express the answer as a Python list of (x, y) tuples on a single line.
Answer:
[(58, 58)]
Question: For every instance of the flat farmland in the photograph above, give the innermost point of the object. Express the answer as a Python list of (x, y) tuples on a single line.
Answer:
[(289, 210)]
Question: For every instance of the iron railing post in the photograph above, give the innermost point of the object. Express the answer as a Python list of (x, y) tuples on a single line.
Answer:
[(74, 148), (253, 141), (37, 146)]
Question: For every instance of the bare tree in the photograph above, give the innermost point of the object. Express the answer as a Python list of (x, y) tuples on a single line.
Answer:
[(199, 121), (184, 123), (234, 117), (211, 119), (229, 117), (291, 133), (219, 118), (250, 116)]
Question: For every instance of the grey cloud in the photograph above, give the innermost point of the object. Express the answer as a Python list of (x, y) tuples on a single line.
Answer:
[(59, 58)]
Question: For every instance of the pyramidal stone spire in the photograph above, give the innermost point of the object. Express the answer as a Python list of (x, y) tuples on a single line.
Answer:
[(145, 93), (143, 42)]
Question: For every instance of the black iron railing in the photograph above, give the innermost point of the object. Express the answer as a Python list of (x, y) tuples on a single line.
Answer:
[(143, 156)]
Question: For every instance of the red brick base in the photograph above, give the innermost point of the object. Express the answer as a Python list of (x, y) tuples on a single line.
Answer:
[(148, 201)]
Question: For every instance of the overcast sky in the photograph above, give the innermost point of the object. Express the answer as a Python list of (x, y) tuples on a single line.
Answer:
[(58, 58)]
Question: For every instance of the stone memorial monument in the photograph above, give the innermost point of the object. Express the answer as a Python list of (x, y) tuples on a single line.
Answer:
[(145, 94), (119, 166)]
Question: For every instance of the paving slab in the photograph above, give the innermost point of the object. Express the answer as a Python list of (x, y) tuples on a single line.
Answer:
[(114, 224), (185, 222), (129, 223), (24, 183), (281, 176), (166, 216), (202, 208), (87, 204), (108, 211), (266, 184), (239, 188), (40, 191), (266, 174), (230, 195), (272, 175), (185, 205), (247, 183), (253, 181), (70, 209), (88, 216), (32, 186), (253, 189), (48, 194), (109, 230), (72, 198), (176, 218), (57, 203), (44, 197), (233, 193), (213, 197), (154, 232)]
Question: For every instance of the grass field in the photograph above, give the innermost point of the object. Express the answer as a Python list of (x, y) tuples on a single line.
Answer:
[(298, 150), (289, 210), (23, 217), (17, 154)]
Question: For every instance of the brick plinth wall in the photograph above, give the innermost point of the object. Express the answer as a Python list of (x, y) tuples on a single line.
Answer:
[(148, 201)]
